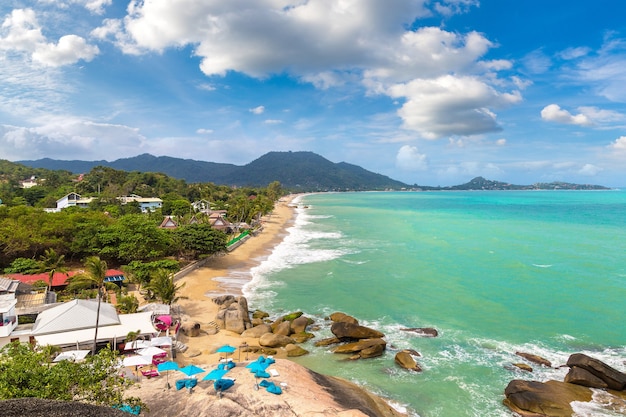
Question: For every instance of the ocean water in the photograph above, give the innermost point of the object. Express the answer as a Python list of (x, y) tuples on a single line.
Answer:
[(494, 272)]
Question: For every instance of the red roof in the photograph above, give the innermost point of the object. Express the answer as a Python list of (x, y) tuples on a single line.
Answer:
[(59, 279)]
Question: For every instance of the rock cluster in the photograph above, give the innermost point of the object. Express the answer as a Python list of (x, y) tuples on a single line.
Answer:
[(554, 398), (288, 331)]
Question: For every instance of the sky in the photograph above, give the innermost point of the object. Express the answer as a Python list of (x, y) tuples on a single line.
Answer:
[(425, 92)]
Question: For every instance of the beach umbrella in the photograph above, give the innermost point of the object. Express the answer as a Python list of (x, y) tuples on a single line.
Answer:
[(215, 374), (226, 349), (151, 351), (136, 344), (190, 370), (167, 366), (161, 341), (137, 360), (72, 355)]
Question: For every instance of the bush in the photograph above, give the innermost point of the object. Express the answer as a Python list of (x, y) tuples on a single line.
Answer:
[(23, 266)]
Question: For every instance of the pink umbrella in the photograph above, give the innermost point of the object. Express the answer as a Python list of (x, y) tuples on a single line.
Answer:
[(163, 322)]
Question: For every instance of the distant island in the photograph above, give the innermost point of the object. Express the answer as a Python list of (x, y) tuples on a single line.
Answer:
[(480, 183), (296, 171)]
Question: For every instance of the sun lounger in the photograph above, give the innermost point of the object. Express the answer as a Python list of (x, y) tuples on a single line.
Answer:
[(150, 373)]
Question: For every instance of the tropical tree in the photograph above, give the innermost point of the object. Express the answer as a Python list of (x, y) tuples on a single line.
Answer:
[(95, 273), (51, 262), (26, 371), (127, 304), (162, 287)]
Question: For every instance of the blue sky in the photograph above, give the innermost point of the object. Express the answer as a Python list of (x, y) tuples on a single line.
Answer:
[(426, 92)]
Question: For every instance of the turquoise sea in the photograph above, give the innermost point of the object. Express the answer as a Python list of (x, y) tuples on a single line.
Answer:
[(542, 272)]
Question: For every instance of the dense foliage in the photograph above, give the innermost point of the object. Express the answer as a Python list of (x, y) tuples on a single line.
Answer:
[(117, 233), (27, 371)]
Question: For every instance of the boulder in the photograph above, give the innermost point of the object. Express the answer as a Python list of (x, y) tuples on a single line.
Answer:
[(423, 331), (259, 314), (283, 328), (580, 376), (346, 331), (235, 318), (300, 324), (360, 345), (405, 360), (550, 399), (295, 350), (343, 318), (292, 316), (224, 300), (372, 351), (535, 359), (302, 337), (328, 341), (524, 367), (190, 328), (613, 378), (275, 340), (257, 331)]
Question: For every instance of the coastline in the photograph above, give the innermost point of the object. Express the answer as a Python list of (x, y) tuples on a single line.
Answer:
[(305, 392), (222, 275)]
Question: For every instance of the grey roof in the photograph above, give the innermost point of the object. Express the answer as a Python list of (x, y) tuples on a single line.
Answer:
[(8, 284), (74, 315)]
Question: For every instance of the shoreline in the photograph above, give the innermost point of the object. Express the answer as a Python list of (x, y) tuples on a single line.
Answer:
[(305, 391), (227, 275)]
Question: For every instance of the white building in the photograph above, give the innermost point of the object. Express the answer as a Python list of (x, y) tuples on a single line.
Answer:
[(147, 204)]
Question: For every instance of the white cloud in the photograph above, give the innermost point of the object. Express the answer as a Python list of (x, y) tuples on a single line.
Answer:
[(450, 105), (70, 49), (605, 71), (600, 116), (573, 53), (619, 144), (257, 110), (22, 33), (94, 6), (501, 142), (589, 170), (554, 113), (273, 122), (537, 62), (59, 137), (409, 158), (204, 131)]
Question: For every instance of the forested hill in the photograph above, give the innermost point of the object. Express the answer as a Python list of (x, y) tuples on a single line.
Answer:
[(304, 171)]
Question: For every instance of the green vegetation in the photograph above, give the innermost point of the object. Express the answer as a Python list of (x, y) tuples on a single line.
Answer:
[(27, 371), (32, 240)]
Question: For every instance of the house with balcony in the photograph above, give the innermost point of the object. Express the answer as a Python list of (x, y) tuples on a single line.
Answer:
[(146, 204)]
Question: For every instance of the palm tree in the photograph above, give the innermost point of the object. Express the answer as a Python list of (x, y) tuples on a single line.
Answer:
[(96, 273), (163, 287), (51, 262)]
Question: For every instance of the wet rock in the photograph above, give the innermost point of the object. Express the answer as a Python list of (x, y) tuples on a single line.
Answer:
[(550, 399), (535, 359), (613, 378), (405, 360), (423, 331), (295, 350), (339, 317), (348, 331)]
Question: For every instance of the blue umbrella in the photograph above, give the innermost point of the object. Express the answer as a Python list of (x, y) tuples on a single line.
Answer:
[(190, 370), (215, 374), (167, 366), (228, 349)]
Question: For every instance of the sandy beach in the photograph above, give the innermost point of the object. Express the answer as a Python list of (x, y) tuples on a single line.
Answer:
[(212, 280)]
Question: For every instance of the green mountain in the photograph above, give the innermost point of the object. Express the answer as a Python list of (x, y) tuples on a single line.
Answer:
[(304, 171)]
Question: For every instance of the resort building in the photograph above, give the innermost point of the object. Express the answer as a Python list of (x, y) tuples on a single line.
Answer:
[(72, 324), (70, 200), (147, 204)]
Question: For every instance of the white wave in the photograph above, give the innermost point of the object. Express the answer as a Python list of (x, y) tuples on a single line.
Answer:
[(542, 265), (602, 404)]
